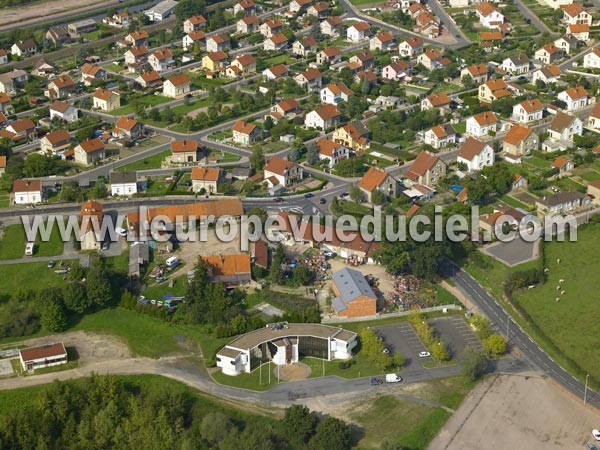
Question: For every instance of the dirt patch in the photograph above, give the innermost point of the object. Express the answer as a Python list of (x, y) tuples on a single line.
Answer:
[(515, 411), (293, 372)]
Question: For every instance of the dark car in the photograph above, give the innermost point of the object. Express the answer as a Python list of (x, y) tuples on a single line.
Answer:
[(51, 264), (376, 381), (309, 195), (322, 201), (278, 200)]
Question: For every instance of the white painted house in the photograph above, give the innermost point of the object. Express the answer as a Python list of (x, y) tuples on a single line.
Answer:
[(475, 154)]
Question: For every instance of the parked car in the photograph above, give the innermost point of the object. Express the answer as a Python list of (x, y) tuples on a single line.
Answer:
[(322, 201), (278, 200), (121, 231), (51, 264), (376, 381), (160, 280), (309, 195), (424, 354), (386, 351), (596, 434)]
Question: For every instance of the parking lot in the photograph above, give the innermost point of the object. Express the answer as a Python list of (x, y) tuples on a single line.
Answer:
[(400, 337), (514, 252), (455, 332)]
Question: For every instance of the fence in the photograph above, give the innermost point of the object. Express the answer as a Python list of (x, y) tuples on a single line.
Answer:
[(388, 315)]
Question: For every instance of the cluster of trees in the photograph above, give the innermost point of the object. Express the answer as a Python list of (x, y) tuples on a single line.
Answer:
[(521, 278), (401, 125), (493, 343), (436, 346), (50, 308), (474, 362), (496, 179), (372, 347), (108, 412)]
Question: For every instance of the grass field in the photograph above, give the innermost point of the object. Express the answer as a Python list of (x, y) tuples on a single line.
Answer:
[(34, 275), (255, 381), (151, 162), (12, 245), (408, 424)]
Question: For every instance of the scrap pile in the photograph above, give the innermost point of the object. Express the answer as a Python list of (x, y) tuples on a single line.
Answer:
[(407, 294)]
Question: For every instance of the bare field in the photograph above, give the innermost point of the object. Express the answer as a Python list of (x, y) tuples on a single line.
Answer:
[(22, 14), (517, 412)]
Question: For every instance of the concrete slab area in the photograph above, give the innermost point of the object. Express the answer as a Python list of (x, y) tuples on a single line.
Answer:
[(5, 368), (514, 252)]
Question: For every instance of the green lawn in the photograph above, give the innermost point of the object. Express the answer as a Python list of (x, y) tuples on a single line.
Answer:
[(34, 275), (255, 381), (591, 175), (4, 200), (511, 201), (147, 101), (354, 209), (408, 424), (156, 291), (12, 245), (151, 162)]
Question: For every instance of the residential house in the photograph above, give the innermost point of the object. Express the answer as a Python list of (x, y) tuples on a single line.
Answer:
[(246, 64), (575, 14), (426, 170), (411, 47), (177, 86), (276, 72), (3, 57), (561, 131), (475, 154), (520, 140), (297, 6), (55, 142), (575, 98), (161, 60), (192, 38), (214, 61), (331, 26), (136, 55), (353, 295), (365, 60), (63, 111), (281, 171), (60, 87), (440, 136), (206, 178), (23, 48), (568, 43), (358, 31), (27, 192), (329, 55), (57, 35), (562, 203), (288, 108), (2, 165), (185, 151), (557, 4), (592, 60), (516, 65), (90, 151), (432, 59), (383, 41), (248, 24), (528, 111), (519, 182), (563, 165), (323, 117), (194, 23), (137, 38), (593, 119), (304, 47), (482, 124), (492, 40), (479, 73), (271, 27), (335, 93), (42, 68), (106, 100), (22, 129), (318, 10), (441, 101), (245, 133), (353, 135), (332, 151), (123, 183), (494, 222), (5, 105), (230, 270), (395, 71), (149, 79), (275, 43), (579, 32), (91, 215), (489, 16), (548, 74), (548, 54), (128, 128), (11, 81), (309, 79), (218, 42), (91, 73), (493, 90), (380, 180), (248, 7)]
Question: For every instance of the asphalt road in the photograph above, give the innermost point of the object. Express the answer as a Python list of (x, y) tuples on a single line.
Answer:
[(516, 336)]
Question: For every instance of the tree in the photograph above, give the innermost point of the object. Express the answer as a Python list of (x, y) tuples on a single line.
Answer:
[(312, 154), (294, 155), (352, 167), (331, 434), (214, 427), (188, 8), (474, 363), (75, 298), (495, 344), (299, 423), (99, 190), (257, 158), (53, 316), (355, 193), (301, 276), (439, 352), (37, 165), (98, 286), (377, 197), (276, 273)]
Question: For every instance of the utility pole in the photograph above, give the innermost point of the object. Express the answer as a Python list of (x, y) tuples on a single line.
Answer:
[(507, 325), (260, 374), (585, 391)]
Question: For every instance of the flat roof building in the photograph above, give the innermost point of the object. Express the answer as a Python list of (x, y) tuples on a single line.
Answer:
[(285, 343)]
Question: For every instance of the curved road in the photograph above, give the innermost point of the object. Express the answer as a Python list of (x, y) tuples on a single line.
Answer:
[(504, 324)]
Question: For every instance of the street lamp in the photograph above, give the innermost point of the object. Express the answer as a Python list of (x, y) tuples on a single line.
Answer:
[(585, 391)]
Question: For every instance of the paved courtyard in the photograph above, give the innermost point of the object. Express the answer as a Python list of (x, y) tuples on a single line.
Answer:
[(5, 368), (514, 252)]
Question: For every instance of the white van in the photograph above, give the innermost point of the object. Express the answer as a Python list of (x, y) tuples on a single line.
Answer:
[(393, 378), (172, 262), (29, 249)]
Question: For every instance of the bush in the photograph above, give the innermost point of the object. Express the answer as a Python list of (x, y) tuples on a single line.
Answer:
[(343, 365)]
